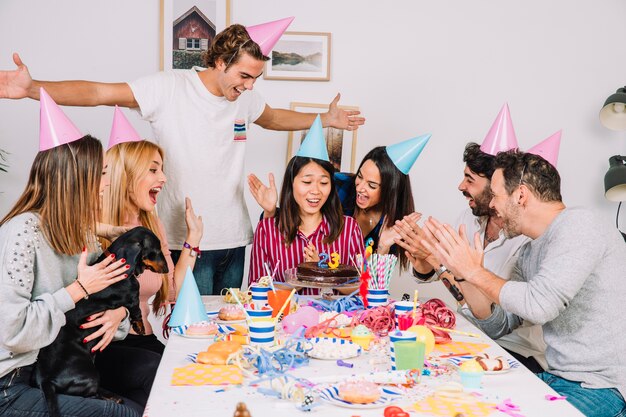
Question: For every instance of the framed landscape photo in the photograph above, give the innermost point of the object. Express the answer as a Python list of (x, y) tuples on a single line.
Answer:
[(341, 144), (187, 29), (303, 56)]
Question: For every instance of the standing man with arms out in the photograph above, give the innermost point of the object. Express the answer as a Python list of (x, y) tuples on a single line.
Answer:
[(500, 252), (201, 120), (569, 279)]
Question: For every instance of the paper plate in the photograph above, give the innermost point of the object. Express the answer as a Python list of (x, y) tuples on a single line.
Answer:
[(458, 360), (180, 330), (341, 349), (389, 394), (227, 322)]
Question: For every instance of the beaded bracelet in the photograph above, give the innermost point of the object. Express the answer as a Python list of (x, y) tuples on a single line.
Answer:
[(194, 251)]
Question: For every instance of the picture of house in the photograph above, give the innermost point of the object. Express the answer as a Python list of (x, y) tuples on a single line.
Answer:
[(193, 32)]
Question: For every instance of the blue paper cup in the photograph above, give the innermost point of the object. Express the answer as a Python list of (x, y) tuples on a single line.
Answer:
[(376, 298), (399, 336), (259, 296), (260, 315), (402, 307), (471, 380), (262, 333)]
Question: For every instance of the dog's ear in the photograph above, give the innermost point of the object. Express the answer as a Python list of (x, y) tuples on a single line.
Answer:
[(132, 253)]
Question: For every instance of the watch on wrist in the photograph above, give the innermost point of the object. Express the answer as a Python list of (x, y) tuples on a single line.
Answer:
[(441, 270)]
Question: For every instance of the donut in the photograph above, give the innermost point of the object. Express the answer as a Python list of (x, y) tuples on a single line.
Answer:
[(488, 363), (230, 313), (359, 392), (201, 329), (218, 353)]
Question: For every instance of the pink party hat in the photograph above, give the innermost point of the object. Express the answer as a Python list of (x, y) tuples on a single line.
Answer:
[(55, 128), (548, 148), (501, 136), (122, 131), (267, 34)]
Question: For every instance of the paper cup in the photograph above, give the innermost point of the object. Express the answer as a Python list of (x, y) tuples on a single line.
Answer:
[(262, 333), (260, 315), (402, 307), (399, 336), (377, 298), (259, 296)]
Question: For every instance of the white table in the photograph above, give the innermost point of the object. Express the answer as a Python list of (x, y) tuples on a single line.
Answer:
[(520, 385)]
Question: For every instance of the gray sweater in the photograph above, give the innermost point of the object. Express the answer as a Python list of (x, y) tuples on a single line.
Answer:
[(572, 281), (33, 299)]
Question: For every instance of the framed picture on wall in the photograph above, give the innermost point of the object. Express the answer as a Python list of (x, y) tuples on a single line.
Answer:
[(341, 144), (187, 29), (303, 56)]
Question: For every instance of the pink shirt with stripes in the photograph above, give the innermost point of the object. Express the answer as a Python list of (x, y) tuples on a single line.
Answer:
[(269, 247)]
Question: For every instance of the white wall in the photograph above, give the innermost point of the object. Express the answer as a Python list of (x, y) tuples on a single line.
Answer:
[(444, 67)]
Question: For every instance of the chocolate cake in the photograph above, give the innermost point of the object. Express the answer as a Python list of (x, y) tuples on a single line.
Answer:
[(311, 272)]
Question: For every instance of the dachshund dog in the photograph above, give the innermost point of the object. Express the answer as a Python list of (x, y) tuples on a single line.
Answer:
[(67, 365)]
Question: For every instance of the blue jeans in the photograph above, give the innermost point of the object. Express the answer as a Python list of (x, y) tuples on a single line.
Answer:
[(592, 402), (19, 399), (217, 269)]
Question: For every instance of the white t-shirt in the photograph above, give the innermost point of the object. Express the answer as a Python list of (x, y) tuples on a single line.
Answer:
[(204, 139), (500, 258)]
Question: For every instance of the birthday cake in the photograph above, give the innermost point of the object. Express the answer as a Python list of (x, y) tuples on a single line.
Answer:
[(311, 272)]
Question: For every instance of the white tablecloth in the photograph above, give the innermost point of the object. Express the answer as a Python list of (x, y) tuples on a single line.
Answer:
[(520, 385)]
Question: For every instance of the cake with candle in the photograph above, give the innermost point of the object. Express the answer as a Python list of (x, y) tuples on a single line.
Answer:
[(313, 272)]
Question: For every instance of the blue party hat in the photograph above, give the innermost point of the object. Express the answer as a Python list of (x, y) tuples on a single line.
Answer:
[(404, 154), (189, 308), (314, 144)]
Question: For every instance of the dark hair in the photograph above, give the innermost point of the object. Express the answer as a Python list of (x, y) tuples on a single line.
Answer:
[(478, 161), (539, 175), (230, 44), (396, 197), (288, 217)]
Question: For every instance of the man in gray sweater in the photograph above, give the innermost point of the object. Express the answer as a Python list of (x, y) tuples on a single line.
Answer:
[(569, 278)]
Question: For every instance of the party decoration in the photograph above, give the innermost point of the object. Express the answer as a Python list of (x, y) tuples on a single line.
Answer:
[(501, 137), (404, 154), (189, 308), (548, 148), (334, 260), (197, 374), (323, 262), (267, 34), (314, 144), (424, 335), (309, 316), (55, 128), (122, 131)]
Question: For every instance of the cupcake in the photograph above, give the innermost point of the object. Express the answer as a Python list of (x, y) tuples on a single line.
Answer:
[(362, 336), (202, 328), (471, 374)]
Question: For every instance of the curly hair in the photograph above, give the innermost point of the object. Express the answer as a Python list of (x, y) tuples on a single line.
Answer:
[(229, 45), (478, 161), (540, 176)]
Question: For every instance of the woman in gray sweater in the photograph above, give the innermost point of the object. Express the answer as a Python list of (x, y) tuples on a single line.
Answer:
[(44, 245)]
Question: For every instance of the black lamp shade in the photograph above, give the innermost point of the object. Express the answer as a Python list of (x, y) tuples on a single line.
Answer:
[(613, 114), (615, 179)]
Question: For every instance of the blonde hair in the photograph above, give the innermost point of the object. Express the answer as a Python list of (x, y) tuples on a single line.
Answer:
[(63, 189), (128, 163)]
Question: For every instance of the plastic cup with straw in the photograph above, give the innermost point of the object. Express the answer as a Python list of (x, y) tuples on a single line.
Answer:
[(293, 291)]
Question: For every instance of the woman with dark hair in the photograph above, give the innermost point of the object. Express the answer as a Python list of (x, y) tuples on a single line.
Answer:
[(378, 195), (310, 221)]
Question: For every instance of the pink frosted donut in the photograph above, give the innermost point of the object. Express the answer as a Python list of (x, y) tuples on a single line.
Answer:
[(201, 329), (359, 392), (231, 312)]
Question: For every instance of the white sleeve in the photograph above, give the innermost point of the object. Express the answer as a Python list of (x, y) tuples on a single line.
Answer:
[(256, 107), (151, 93)]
